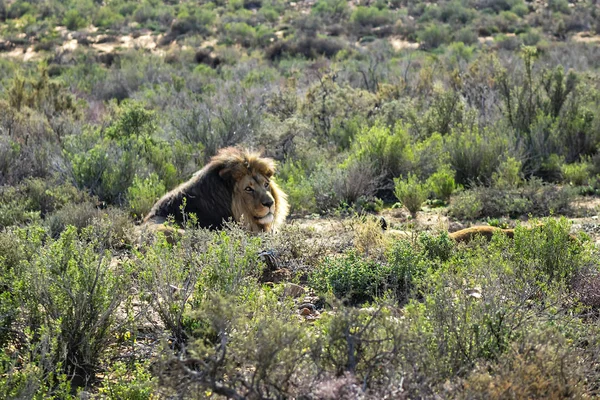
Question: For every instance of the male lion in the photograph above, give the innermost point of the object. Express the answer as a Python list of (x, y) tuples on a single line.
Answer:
[(236, 184)]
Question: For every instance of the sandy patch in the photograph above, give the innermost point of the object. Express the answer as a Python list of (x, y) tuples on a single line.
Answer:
[(70, 45), (585, 37), (146, 41), (401, 44)]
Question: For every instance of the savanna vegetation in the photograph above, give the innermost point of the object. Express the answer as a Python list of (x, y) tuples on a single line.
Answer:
[(435, 115)]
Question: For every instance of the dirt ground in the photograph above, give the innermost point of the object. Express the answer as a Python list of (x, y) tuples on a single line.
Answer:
[(338, 231)]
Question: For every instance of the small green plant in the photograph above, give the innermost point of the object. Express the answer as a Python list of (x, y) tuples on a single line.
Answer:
[(411, 192), (577, 174), (142, 194), (442, 183), (133, 382), (350, 277), (508, 174)]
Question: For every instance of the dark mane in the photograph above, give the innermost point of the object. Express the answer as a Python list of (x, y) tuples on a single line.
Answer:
[(207, 195)]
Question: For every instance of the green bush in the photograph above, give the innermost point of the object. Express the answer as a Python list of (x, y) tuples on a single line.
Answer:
[(534, 197), (142, 194), (295, 183), (442, 183), (576, 174), (437, 247), (366, 17), (508, 175), (389, 151), (106, 162), (474, 154), (411, 193), (73, 20), (67, 287), (433, 36), (549, 247), (351, 278), (133, 382)]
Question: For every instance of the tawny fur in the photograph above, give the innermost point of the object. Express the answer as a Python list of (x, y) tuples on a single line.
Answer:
[(468, 234), (235, 185)]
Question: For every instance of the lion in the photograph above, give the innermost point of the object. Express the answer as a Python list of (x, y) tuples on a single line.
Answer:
[(235, 185), (468, 234)]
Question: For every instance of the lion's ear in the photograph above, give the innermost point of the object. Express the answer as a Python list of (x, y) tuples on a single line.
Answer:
[(225, 173)]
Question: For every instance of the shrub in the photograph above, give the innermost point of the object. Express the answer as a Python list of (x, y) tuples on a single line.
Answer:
[(129, 381), (73, 20), (433, 36), (534, 197), (331, 10), (411, 193), (70, 281), (177, 278), (561, 6), (260, 338), (537, 368), (442, 183), (308, 47), (350, 277), (438, 247), (295, 183), (389, 151), (508, 175), (107, 161), (548, 246), (76, 215), (366, 17), (142, 194), (406, 268), (474, 154), (467, 36), (576, 174)]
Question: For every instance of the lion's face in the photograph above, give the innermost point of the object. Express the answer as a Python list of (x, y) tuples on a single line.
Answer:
[(254, 193)]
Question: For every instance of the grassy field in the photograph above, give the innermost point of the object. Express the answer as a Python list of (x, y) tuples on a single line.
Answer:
[(430, 116)]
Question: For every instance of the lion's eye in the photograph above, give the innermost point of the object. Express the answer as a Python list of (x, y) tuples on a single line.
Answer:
[(266, 184), (249, 189)]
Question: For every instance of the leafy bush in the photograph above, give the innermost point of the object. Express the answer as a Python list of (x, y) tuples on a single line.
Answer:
[(508, 175), (129, 382), (177, 278), (68, 288), (366, 17), (576, 174), (142, 194), (411, 193), (73, 20), (474, 154), (433, 36), (534, 197), (389, 151), (442, 183), (106, 162)]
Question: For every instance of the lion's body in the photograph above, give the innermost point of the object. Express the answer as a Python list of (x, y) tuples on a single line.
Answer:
[(235, 185), (468, 234)]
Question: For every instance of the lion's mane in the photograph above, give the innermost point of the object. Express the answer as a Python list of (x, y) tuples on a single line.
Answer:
[(210, 193)]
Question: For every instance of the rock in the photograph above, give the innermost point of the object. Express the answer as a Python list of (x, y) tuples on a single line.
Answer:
[(293, 290)]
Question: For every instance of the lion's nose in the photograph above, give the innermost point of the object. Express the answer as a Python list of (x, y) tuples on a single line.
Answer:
[(267, 203)]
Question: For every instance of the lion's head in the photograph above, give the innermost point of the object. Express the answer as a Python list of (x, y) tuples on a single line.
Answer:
[(256, 200)]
